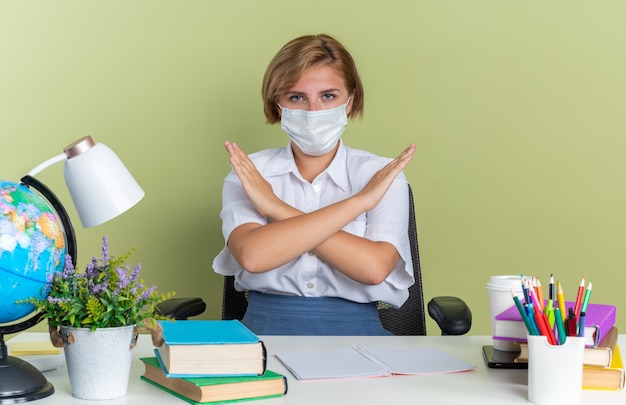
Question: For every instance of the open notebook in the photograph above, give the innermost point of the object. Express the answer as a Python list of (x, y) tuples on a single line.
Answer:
[(361, 361)]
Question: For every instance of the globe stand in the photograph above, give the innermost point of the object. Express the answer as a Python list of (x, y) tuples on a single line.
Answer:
[(20, 381)]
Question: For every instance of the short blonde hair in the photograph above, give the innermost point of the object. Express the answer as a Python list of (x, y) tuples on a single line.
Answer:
[(287, 66)]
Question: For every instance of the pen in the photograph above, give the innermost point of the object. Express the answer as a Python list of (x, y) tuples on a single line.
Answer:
[(579, 297), (581, 324), (522, 312), (560, 297), (524, 290), (560, 328), (586, 298)]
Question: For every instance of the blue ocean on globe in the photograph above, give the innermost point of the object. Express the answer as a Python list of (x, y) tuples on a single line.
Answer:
[(32, 248)]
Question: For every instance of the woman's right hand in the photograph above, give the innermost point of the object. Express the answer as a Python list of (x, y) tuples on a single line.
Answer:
[(254, 184)]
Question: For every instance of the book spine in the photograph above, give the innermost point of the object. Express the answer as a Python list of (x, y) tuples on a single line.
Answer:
[(605, 325), (264, 356)]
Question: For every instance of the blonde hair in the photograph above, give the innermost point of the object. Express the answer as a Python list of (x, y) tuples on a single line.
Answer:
[(293, 58)]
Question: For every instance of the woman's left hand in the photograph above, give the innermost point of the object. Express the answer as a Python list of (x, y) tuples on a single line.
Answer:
[(378, 185)]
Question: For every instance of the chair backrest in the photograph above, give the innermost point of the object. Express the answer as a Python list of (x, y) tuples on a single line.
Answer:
[(407, 320), (410, 319)]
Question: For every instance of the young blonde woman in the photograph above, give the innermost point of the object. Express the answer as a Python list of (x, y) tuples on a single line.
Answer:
[(315, 231)]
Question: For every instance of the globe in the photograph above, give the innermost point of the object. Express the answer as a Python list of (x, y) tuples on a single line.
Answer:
[(32, 248)]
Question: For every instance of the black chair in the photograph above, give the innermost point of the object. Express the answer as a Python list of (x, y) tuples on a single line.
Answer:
[(181, 308), (451, 314)]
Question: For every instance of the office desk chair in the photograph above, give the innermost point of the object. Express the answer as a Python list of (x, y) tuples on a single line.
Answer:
[(181, 308), (451, 314)]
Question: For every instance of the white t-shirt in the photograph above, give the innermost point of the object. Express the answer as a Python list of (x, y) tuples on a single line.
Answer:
[(307, 275)]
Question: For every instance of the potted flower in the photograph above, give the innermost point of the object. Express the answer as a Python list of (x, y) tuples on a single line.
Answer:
[(96, 311)]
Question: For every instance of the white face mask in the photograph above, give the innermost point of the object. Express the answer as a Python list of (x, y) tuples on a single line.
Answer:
[(315, 132)]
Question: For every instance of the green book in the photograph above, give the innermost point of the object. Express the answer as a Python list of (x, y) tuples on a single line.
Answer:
[(215, 390)]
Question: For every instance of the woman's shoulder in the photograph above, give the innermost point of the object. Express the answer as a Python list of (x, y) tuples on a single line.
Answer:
[(363, 158), (266, 155)]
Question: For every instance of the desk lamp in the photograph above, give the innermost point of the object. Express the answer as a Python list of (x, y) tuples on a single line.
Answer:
[(101, 188)]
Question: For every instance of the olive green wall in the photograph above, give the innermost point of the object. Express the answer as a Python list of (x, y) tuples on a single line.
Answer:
[(516, 107)]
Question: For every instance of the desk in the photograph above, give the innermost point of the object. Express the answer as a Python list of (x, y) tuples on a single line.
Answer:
[(482, 386)]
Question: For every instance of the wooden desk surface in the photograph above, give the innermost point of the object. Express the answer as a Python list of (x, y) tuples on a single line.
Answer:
[(482, 386)]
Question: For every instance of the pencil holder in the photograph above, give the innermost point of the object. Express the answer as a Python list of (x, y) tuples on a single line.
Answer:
[(555, 373)]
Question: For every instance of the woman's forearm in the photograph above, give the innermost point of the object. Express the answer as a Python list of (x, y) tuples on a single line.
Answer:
[(259, 248)]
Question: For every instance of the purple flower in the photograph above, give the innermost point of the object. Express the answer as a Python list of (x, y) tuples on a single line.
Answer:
[(99, 288), (69, 269), (53, 300), (146, 294), (123, 281), (135, 273), (105, 250), (91, 270)]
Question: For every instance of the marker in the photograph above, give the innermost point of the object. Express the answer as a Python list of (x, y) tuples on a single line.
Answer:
[(579, 297), (560, 327), (531, 318), (581, 324), (571, 323), (550, 313)]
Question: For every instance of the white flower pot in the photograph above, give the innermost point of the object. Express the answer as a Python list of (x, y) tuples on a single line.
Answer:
[(98, 362)]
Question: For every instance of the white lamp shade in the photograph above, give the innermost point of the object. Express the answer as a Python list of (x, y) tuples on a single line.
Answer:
[(100, 185)]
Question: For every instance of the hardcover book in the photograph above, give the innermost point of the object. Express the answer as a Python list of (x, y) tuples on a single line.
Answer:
[(599, 319), (208, 390), (599, 356), (199, 348), (605, 378)]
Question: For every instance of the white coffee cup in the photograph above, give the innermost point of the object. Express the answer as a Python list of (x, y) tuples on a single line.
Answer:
[(500, 298)]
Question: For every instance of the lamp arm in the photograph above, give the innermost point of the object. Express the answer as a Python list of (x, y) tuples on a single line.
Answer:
[(70, 235), (56, 159)]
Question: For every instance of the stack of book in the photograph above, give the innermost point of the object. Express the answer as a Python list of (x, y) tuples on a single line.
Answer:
[(603, 367), (210, 362)]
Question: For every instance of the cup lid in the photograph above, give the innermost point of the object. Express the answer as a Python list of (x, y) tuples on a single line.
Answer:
[(508, 282)]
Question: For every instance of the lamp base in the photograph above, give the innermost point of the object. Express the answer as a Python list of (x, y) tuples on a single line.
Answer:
[(21, 382)]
